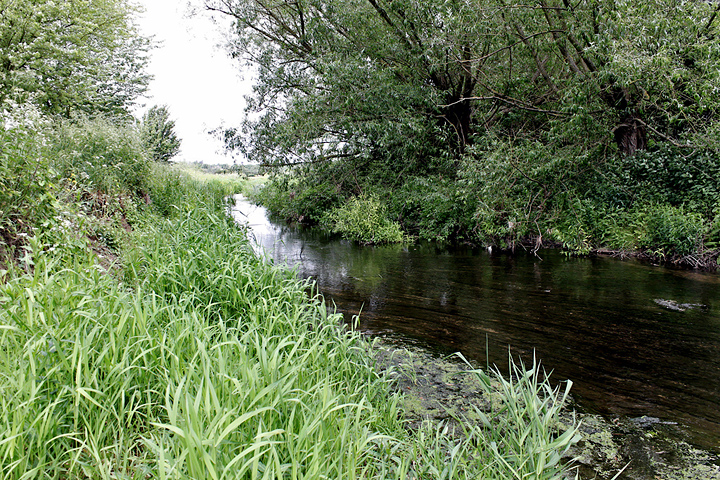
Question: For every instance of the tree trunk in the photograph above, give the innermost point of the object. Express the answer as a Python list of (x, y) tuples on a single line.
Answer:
[(630, 135), (459, 116)]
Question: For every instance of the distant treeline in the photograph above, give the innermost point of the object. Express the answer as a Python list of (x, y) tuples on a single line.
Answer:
[(248, 170)]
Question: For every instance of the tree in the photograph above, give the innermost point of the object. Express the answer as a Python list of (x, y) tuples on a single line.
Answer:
[(80, 55), (410, 81), (158, 134)]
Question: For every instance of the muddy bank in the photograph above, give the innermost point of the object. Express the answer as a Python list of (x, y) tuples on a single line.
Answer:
[(708, 261), (437, 389)]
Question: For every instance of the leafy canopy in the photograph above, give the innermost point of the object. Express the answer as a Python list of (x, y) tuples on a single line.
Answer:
[(405, 80), (72, 56)]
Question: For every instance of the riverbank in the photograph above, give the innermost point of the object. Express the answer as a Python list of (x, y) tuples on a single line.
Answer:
[(706, 261), (438, 389), (175, 352), (481, 203)]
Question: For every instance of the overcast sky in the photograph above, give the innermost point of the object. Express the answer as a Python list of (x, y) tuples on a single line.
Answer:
[(194, 77)]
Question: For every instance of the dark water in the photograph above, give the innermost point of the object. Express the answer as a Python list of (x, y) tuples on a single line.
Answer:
[(594, 321)]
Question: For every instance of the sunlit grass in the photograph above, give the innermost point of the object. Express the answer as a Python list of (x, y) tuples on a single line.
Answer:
[(197, 174)]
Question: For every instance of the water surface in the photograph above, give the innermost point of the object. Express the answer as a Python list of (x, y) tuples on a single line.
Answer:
[(592, 320)]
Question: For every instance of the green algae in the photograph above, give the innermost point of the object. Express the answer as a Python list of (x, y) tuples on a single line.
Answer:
[(439, 389)]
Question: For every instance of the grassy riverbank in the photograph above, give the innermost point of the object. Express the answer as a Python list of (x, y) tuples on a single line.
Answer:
[(142, 337)]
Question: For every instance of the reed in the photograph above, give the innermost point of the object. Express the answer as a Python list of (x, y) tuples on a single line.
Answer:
[(523, 436)]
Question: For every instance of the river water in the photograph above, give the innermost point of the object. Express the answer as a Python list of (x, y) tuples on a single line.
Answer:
[(608, 325)]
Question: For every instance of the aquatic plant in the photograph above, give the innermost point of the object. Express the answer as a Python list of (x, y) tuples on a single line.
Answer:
[(525, 435), (521, 436)]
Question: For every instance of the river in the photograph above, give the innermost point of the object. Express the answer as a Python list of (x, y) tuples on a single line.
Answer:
[(613, 327)]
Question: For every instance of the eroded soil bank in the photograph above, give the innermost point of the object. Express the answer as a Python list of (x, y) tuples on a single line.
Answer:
[(438, 389)]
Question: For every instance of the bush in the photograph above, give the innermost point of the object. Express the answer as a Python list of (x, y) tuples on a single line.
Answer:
[(713, 239), (433, 208), (97, 156), (364, 219), (672, 230), (298, 197), (671, 175), (27, 184), (157, 134), (172, 191)]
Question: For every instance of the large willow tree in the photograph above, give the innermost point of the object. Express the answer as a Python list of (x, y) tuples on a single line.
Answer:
[(411, 79)]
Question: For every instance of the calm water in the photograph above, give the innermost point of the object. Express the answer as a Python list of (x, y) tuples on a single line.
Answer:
[(594, 321)]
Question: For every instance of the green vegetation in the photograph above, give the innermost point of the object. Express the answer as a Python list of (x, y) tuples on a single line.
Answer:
[(141, 336), (157, 133), (589, 124), (364, 220), (202, 362), (69, 57)]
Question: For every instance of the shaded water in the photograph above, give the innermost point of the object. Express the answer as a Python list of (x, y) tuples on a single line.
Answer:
[(592, 320)]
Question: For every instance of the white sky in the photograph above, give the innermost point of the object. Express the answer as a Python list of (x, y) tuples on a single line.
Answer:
[(194, 77)]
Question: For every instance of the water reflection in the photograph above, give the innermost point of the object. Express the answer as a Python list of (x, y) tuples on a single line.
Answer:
[(594, 321)]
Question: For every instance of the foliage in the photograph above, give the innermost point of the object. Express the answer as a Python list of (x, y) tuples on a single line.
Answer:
[(66, 57), (99, 156), (350, 79), (172, 191), (288, 389), (672, 230), (364, 219), (496, 123), (673, 176), (298, 197), (88, 174), (522, 436), (525, 436), (433, 209), (521, 188), (200, 359), (713, 240), (157, 133), (27, 183)]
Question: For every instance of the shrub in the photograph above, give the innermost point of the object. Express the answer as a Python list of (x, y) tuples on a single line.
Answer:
[(672, 230), (518, 186), (157, 134), (364, 219), (670, 175), (298, 197), (713, 239), (27, 184), (95, 155), (434, 208)]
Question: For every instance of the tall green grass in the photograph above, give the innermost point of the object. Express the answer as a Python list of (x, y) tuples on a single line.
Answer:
[(204, 362)]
